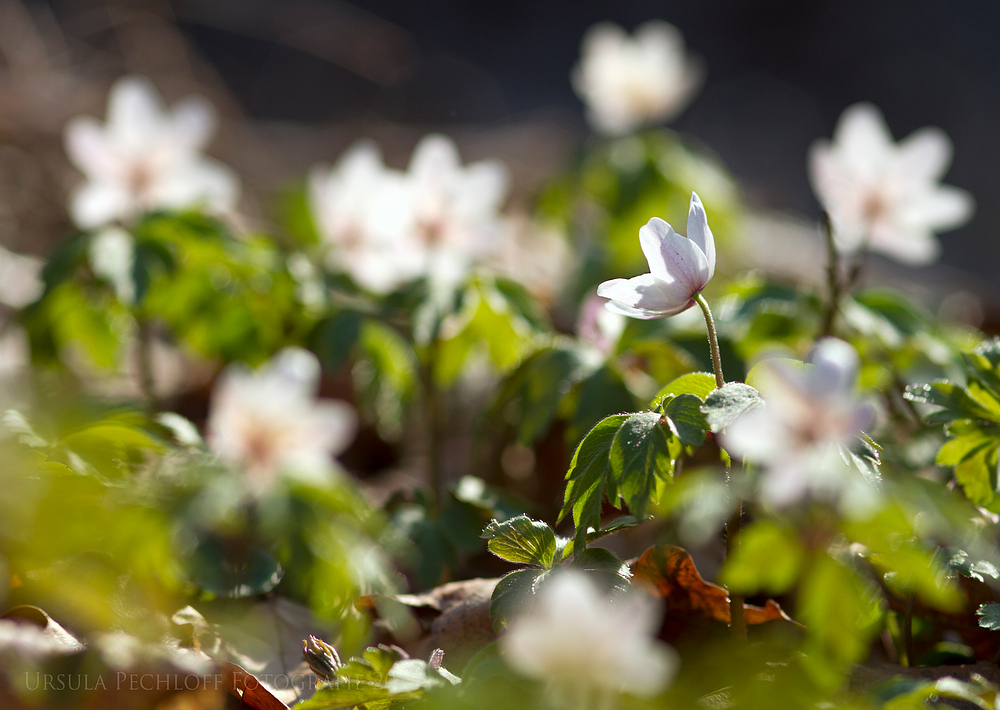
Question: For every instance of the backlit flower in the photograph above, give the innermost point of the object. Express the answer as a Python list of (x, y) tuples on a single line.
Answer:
[(584, 643), (679, 268), (359, 207), (145, 158), (886, 196), (630, 81), (269, 423), (798, 438)]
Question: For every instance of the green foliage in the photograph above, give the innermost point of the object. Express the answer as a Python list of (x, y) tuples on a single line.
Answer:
[(765, 540), (726, 404), (522, 540)]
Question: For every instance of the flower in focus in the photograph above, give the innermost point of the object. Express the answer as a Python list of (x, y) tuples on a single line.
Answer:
[(357, 210), (679, 268), (452, 211), (627, 82), (583, 642), (269, 422), (884, 196), (811, 414), (145, 158)]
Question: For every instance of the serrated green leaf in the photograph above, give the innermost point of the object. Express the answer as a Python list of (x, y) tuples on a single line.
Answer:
[(725, 405), (989, 616), (686, 419), (640, 455), (522, 540), (976, 474), (955, 403), (588, 476), (600, 559), (957, 450)]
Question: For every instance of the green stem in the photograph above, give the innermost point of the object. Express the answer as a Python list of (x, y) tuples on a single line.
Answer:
[(713, 339), (737, 619)]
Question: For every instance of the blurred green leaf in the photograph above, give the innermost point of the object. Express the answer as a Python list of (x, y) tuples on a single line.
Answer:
[(723, 406)]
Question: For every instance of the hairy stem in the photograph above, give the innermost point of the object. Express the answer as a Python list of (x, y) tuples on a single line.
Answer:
[(713, 339), (834, 285)]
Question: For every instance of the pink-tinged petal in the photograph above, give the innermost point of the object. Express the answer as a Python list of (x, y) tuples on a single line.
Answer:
[(924, 156), (334, 424), (674, 259), (194, 122), (88, 149), (864, 140), (699, 233)]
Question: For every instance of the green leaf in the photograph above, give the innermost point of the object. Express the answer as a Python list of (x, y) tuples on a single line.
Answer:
[(588, 475), (955, 403), (522, 540), (989, 616), (724, 405), (768, 559), (228, 571), (977, 473), (599, 559), (686, 419), (699, 384), (511, 593), (640, 455)]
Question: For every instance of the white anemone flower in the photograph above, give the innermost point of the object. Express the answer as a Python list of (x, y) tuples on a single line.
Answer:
[(269, 423), (453, 211), (357, 207), (586, 644), (631, 81), (679, 268), (886, 196), (810, 414), (145, 158)]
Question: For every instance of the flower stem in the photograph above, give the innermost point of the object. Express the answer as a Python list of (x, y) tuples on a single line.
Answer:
[(737, 619), (713, 339), (834, 284)]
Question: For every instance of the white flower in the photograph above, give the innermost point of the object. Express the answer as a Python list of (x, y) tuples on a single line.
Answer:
[(627, 82), (20, 278), (112, 257), (584, 643), (359, 207), (811, 412), (145, 158), (452, 211), (269, 422), (884, 196), (680, 267)]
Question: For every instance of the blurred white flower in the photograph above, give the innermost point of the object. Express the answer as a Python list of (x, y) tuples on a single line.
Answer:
[(886, 196), (600, 326), (811, 412), (452, 211), (360, 211), (269, 422), (628, 82), (680, 267), (538, 257), (585, 643), (145, 158)]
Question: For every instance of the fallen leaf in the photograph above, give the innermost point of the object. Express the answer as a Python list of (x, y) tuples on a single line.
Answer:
[(691, 602), (245, 686)]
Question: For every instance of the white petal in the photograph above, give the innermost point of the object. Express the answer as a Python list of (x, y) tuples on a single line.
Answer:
[(944, 208), (88, 149), (699, 233), (194, 122), (644, 296), (913, 248), (135, 114), (97, 203), (864, 139), (924, 155), (674, 259), (334, 425), (205, 183), (435, 156), (835, 367)]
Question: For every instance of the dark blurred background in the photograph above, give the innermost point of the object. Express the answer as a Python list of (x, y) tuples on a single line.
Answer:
[(779, 74)]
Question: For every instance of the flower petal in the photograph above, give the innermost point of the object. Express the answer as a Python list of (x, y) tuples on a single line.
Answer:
[(674, 259), (944, 208), (135, 114), (863, 139), (194, 122), (924, 156), (88, 149), (95, 203), (644, 296), (699, 233)]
